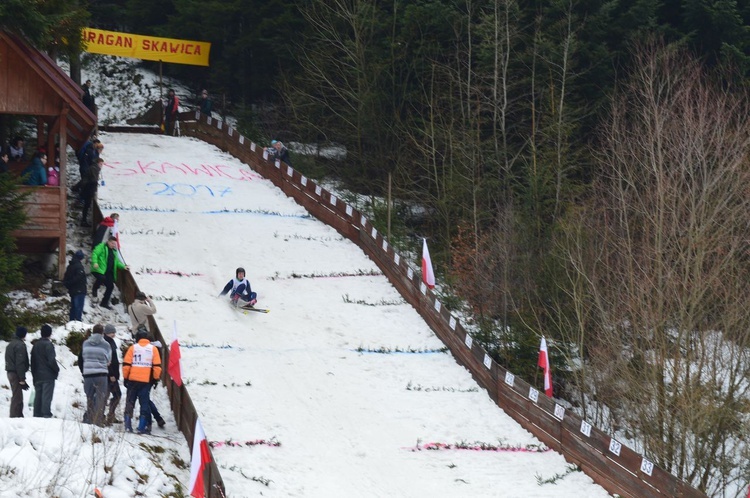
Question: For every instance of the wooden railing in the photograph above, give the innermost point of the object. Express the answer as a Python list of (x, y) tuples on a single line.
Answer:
[(611, 464)]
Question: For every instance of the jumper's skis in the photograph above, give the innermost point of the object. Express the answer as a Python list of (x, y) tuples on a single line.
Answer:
[(247, 308), (250, 308)]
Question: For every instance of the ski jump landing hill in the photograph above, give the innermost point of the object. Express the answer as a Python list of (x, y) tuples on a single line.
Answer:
[(615, 467)]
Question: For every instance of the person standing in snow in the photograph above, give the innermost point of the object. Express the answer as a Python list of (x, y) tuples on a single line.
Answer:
[(241, 293), (44, 370), (170, 112), (104, 265), (93, 362), (16, 366), (139, 311), (75, 281), (89, 186), (140, 368), (114, 373)]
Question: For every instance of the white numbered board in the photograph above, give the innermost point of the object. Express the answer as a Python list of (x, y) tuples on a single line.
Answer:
[(385, 245), (452, 323), (242, 141), (438, 306), (468, 341), (303, 181), (647, 467), (585, 428), (509, 378), (277, 164), (289, 171), (318, 190), (333, 200), (615, 446), (559, 412), (533, 394), (397, 259), (423, 288), (487, 361), (410, 273), (349, 210)]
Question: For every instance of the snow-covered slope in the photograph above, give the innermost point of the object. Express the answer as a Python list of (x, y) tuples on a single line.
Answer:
[(347, 419)]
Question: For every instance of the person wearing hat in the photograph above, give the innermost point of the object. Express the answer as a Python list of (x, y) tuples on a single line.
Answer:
[(75, 281), (278, 151), (114, 373), (16, 366), (44, 370), (94, 365), (139, 311), (140, 368)]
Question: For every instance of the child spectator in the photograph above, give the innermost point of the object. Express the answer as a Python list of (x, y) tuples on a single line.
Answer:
[(16, 151)]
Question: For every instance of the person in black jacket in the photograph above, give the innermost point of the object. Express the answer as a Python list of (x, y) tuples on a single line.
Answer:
[(75, 281), (16, 366), (114, 374), (44, 370)]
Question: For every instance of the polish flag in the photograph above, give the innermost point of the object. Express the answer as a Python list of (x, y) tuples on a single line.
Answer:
[(544, 363), (174, 368), (116, 233), (201, 458), (428, 276)]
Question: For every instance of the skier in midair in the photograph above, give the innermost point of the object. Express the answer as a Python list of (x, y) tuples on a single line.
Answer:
[(241, 293)]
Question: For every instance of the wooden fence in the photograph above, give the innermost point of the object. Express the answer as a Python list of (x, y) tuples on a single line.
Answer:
[(611, 464)]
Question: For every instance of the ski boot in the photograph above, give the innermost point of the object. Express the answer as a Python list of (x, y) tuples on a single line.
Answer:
[(143, 426)]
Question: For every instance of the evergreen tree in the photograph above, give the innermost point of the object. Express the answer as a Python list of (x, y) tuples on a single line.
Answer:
[(12, 217)]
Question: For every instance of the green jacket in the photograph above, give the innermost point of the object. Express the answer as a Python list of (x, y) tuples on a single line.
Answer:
[(99, 257)]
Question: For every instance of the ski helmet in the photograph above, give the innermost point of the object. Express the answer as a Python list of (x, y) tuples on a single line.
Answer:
[(238, 270)]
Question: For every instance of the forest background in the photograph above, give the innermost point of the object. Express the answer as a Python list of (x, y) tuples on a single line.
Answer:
[(579, 168)]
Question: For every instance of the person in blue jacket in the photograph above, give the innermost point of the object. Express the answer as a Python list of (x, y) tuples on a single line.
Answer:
[(36, 172), (241, 293)]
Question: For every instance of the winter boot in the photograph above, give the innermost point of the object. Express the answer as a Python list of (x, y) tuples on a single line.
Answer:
[(143, 426), (160, 422), (128, 424)]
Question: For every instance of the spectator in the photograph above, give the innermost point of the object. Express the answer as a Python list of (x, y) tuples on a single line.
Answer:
[(53, 176), (75, 281), (16, 151), (104, 265), (278, 151), (36, 172), (205, 103), (16, 366), (4, 160), (44, 370), (88, 100), (170, 112), (106, 229), (139, 311), (93, 362), (114, 374), (140, 368), (89, 186), (87, 155)]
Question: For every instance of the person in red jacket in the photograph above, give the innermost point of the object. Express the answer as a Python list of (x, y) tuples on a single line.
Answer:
[(170, 112), (141, 368)]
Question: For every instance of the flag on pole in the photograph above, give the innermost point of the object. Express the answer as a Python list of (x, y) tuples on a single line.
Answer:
[(174, 369), (201, 457), (428, 276), (544, 363)]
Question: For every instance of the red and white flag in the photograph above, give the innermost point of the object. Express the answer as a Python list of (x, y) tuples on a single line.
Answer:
[(201, 457), (116, 233), (428, 276), (174, 368), (544, 363)]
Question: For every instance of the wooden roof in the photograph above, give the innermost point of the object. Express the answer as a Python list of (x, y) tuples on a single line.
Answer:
[(31, 83)]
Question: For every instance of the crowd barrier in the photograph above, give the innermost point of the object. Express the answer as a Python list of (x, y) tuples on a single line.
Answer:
[(617, 468)]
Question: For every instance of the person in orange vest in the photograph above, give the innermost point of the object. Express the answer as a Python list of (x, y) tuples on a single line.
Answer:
[(141, 368)]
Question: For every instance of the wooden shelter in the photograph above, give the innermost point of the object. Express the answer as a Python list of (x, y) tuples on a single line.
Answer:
[(32, 84)]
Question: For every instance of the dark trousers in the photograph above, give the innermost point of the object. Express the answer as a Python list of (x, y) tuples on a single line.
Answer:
[(16, 398), (140, 391), (88, 191), (97, 390), (114, 390), (108, 282), (43, 392), (76, 306)]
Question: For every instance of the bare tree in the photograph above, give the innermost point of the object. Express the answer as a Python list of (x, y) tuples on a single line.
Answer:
[(659, 270)]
